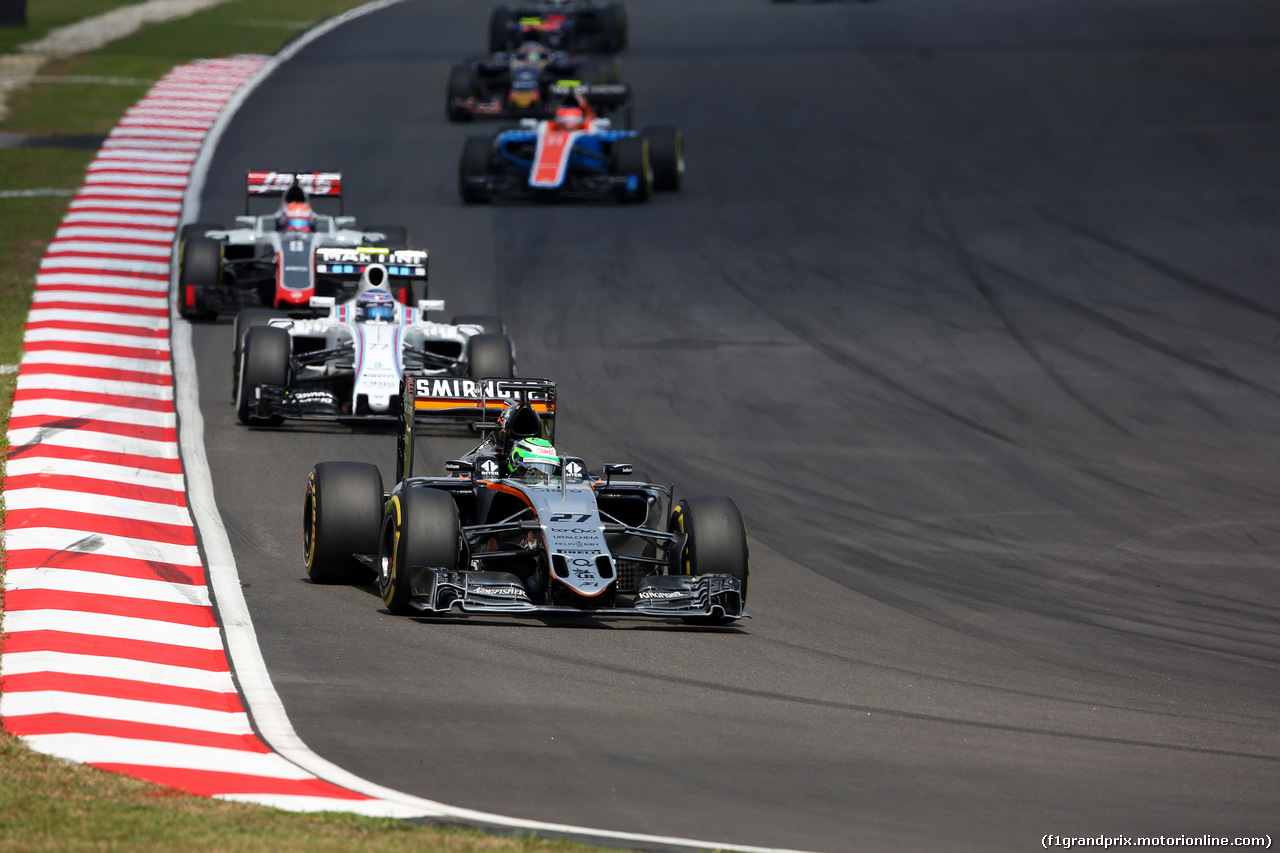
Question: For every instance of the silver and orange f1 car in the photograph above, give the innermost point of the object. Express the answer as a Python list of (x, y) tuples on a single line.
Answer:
[(504, 532)]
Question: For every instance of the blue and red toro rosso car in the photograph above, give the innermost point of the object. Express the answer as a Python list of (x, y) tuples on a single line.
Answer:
[(574, 155)]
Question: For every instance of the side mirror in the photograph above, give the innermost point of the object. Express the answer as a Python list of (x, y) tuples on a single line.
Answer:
[(425, 305), (344, 221), (612, 470), (459, 466), (323, 301), (247, 221), (529, 123)]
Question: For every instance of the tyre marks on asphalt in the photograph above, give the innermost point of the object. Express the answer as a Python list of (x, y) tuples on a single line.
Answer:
[(114, 657)]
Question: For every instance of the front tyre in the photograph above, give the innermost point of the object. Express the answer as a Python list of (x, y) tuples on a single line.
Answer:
[(716, 543), (473, 169), (631, 158), (264, 360), (341, 517), (246, 320), (421, 529)]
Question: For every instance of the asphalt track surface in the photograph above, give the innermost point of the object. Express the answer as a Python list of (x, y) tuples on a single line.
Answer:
[(971, 307)]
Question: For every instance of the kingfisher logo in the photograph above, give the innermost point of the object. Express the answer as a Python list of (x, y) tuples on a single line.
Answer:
[(504, 591), (661, 594)]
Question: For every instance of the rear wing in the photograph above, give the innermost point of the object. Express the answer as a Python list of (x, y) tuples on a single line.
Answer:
[(606, 95), (272, 184), (432, 399), (351, 263)]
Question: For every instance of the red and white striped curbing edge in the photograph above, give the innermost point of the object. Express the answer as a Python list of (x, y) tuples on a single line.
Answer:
[(113, 656)]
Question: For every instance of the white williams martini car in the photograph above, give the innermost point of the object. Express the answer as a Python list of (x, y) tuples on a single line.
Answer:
[(348, 365)]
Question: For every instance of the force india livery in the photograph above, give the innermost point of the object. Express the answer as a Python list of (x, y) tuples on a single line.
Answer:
[(269, 260), (576, 154), (348, 365), (515, 528)]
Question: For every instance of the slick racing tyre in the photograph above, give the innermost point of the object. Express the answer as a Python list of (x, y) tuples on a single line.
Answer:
[(717, 543), (458, 88), (246, 320), (474, 165), (666, 157), (199, 267), (395, 237), (613, 27), (341, 516), (421, 528), (264, 360), (631, 158), (490, 357), (492, 325), (499, 30)]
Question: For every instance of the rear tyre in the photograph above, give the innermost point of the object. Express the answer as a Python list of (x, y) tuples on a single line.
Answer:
[(666, 157), (264, 360), (395, 237), (199, 267), (716, 544), (246, 320), (341, 516), (490, 357), (458, 88), (492, 325), (613, 25), (421, 529), (631, 158), (499, 30), (473, 169)]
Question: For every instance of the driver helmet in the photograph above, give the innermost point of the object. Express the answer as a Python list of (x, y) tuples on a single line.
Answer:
[(570, 118), (297, 216), (531, 51), (375, 306), (534, 456)]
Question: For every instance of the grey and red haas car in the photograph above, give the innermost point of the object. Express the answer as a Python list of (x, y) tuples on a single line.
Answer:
[(515, 528), (269, 260)]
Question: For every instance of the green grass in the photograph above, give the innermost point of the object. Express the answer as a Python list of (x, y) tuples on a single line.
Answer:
[(51, 805), (44, 15)]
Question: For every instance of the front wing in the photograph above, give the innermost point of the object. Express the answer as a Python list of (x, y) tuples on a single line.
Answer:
[(682, 596)]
